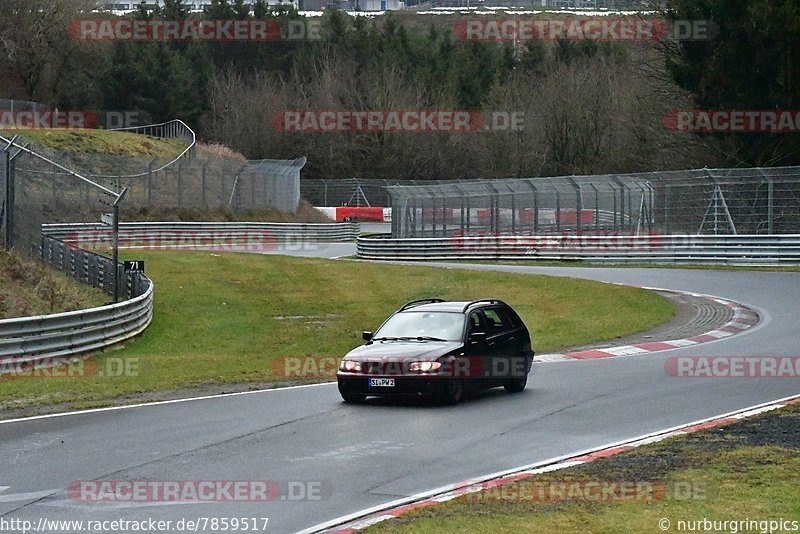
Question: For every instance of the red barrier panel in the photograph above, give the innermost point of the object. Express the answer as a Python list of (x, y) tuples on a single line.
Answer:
[(484, 216), (439, 214), (571, 217), (359, 214)]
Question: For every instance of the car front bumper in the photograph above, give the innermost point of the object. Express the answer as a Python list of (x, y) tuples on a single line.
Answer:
[(403, 385)]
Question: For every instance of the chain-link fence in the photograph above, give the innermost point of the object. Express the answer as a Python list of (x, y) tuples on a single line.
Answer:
[(37, 188), (701, 201), (352, 192), (60, 187), (270, 183), (198, 183)]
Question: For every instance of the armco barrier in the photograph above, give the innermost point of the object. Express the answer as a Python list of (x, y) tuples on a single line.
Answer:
[(28, 340), (709, 249), (168, 234)]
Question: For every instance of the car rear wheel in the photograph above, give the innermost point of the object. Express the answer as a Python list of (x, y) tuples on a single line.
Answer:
[(452, 392), (353, 398), (515, 385)]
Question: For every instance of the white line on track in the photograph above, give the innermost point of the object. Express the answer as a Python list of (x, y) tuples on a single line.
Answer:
[(159, 403)]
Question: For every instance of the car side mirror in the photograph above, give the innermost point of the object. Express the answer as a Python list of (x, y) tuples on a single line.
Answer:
[(366, 336), (477, 337)]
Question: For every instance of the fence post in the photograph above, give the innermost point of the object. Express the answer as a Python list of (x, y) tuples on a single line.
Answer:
[(203, 184), (770, 205), (535, 205), (667, 208), (223, 179), (578, 203), (444, 215), (558, 209), (253, 190), (621, 205), (630, 210), (150, 184), (8, 201), (180, 185), (494, 209), (513, 214), (115, 252), (422, 217)]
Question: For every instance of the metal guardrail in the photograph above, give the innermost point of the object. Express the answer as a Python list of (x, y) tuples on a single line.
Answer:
[(168, 234), (687, 249), (28, 341)]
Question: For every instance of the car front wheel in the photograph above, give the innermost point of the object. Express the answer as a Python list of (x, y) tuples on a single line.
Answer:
[(452, 392)]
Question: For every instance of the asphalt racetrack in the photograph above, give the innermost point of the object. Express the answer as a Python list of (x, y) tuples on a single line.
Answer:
[(355, 457)]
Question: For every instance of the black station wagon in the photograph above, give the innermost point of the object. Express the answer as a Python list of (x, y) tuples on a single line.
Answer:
[(439, 349)]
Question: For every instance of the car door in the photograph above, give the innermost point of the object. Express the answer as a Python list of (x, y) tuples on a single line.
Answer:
[(501, 342), (478, 357), (520, 350)]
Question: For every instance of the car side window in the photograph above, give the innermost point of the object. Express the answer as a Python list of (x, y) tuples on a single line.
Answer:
[(496, 324), (474, 322), (510, 318)]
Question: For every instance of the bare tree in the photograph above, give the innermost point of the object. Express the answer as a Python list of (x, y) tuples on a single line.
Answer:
[(34, 38)]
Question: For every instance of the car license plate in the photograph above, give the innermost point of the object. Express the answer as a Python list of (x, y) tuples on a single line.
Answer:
[(381, 382)]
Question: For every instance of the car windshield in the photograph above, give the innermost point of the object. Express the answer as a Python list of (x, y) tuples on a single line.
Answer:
[(445, 326)]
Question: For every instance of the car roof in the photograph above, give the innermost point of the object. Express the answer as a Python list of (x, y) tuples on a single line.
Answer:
[(456, 306)]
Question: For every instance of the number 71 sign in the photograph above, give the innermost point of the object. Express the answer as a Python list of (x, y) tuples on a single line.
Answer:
[(136, 266)]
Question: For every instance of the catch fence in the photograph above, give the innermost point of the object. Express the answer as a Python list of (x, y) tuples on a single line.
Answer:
[(749, 201)]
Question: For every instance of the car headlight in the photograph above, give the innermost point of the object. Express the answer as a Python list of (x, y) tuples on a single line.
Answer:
[(424, 367), (350, 366)]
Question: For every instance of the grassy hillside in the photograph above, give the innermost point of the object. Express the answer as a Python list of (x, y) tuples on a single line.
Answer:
[(29, 288), (102, 142)]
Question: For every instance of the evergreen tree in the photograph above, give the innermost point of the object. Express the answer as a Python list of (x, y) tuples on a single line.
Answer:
[(173, 10), (218, 10)]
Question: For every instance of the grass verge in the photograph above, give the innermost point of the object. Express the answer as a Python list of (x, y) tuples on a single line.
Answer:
[(228, 318), (28, 287), (742, 471)]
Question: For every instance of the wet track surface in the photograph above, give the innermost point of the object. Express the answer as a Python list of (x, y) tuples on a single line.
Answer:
[(368, 454)]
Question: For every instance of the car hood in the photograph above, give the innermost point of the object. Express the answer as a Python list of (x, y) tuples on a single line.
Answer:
[(402, 350)]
